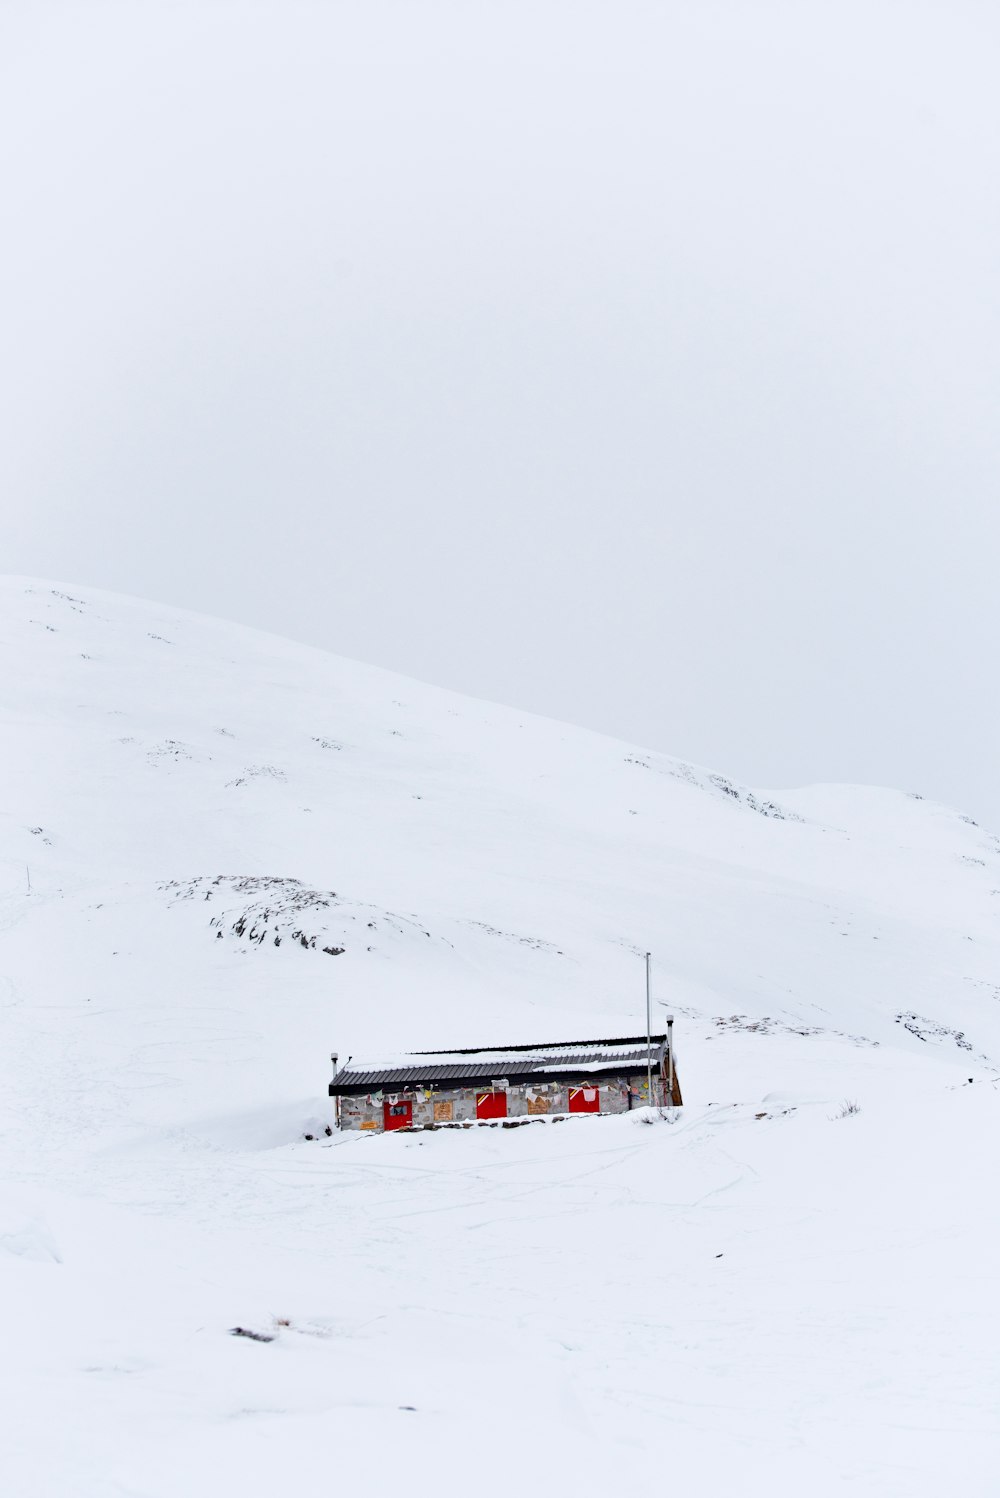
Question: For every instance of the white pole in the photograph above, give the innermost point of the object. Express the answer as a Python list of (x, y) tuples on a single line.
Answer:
[(649, 1037)]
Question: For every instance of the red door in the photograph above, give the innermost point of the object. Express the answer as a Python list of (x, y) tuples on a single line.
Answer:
[(491, 1105), (584, 1100), (397, 1115)]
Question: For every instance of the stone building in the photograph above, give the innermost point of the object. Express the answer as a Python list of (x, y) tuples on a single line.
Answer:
[(438, 1089)]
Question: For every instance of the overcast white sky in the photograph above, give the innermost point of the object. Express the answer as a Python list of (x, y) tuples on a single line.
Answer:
[(634, 363)]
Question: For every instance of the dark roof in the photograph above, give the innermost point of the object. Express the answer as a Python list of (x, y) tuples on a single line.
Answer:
[(555, 1061)]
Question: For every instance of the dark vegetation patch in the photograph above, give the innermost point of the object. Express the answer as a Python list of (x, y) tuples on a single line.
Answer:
[(767, 1025), (262, 910), (170, 750), (257, 772), (717, 785), (76, 604), (535, 943), (929, 1029)]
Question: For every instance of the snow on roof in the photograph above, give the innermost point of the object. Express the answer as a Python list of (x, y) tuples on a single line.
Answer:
[(492, 1062)]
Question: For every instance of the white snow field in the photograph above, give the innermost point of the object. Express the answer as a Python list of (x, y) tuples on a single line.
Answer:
[(766, 1294)]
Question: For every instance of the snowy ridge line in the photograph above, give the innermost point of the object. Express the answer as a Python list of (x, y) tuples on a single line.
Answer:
[(714, 784)]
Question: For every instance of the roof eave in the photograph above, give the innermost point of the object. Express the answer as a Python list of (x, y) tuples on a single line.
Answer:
[(417, 1083)]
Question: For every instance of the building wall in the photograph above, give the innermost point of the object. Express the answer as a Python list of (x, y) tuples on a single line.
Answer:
[(445, 1106)]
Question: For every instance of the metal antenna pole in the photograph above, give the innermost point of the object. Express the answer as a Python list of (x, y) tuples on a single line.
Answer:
[(649, 1037)]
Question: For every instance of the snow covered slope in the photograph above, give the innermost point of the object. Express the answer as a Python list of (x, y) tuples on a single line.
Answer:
[(243, 854)]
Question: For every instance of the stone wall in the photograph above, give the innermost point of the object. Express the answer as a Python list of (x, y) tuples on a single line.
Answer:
[(441, 1107)]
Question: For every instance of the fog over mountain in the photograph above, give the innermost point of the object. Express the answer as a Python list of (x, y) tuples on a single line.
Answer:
[(636, 365)]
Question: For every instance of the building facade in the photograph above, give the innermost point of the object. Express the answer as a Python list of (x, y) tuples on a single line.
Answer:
[(506, 1084)]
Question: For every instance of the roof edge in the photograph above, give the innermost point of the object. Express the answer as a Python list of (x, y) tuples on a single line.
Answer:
[(343, 1086), (547, 1045)]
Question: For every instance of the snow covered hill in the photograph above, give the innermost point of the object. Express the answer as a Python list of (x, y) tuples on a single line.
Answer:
[(224, 855)]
